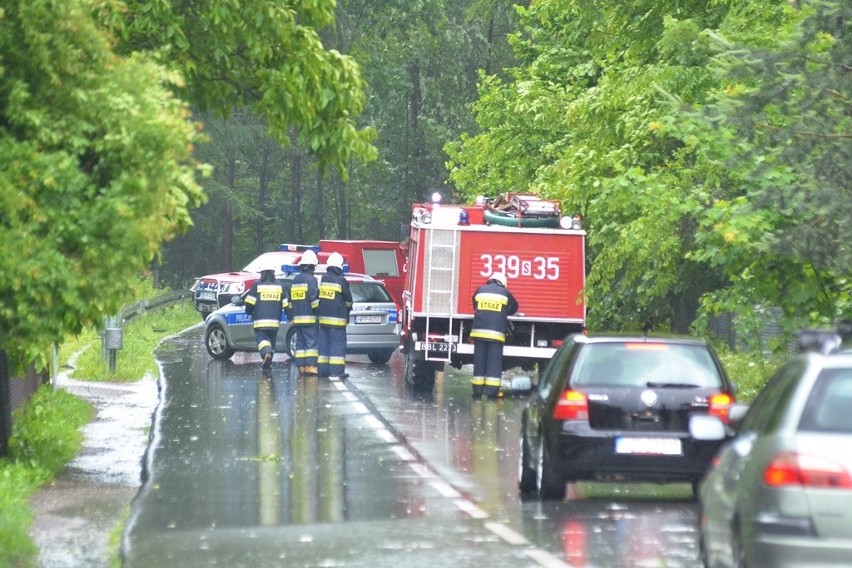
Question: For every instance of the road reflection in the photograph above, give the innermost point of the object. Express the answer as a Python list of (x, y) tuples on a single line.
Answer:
[(474, 443), (245, 470)]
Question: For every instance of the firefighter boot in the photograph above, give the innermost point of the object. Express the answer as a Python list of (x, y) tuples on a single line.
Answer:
[(492, 392), (310, 370)]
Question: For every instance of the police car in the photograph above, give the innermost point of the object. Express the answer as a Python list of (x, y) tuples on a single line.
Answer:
[(216, 290), (373, 328)]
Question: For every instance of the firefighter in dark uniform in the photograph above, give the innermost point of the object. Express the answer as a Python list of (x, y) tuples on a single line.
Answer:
[(264, 303), (492, 305), (304, 301), (335, 303)]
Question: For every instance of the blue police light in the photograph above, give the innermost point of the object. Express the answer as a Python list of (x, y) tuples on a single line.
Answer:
[(464, 217), (288, 247), (290, 269)]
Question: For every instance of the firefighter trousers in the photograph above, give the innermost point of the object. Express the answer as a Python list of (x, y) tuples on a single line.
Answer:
[(332, 351), (265, 337), (306, 345), (487, 367)]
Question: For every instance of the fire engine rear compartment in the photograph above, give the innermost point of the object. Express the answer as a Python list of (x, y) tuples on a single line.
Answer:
[(447, 261)]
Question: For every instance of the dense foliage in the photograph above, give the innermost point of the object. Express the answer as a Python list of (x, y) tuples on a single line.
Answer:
[(97, 165), (706, 145), (46, 436), (96, 171), (419, 61)]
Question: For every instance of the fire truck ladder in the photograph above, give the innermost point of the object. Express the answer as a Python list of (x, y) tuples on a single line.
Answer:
[(441, 282)]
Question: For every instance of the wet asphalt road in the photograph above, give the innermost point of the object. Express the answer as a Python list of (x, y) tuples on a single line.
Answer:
[(245, 470)]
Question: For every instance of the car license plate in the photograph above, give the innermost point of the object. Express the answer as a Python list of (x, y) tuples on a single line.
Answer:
[(651, 446), (207, 296), (368, 319), (440, 347)]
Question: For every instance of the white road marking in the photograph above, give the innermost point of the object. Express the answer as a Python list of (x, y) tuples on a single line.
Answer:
[(445, 489), (403, 453), (472, 510), (540, 557), (506, 533), (545, 559)]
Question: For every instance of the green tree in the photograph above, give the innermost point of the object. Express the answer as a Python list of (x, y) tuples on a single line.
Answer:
[(96, 171), (782, 125), (262, 54), (620, 111)]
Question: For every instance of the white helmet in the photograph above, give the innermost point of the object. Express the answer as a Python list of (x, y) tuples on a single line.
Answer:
[(335, 259), (309, 257), (499, 277), (271, 266)]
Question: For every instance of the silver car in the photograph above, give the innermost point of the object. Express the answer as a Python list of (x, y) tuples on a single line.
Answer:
[(373, 328), (780, 493)]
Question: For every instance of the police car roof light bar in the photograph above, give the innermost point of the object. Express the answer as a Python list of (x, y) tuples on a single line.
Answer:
[(298, 248)]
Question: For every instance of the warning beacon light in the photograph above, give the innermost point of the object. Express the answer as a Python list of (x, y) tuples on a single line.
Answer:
[(436, 198)]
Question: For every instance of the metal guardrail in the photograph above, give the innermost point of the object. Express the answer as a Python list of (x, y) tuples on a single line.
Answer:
[(112, 336), (139, 308)]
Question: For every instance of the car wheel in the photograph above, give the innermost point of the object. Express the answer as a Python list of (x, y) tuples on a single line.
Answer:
[(548, 483), (419, 374), (290, 343), (696, 489), (526, 474), (380, 356), (738, 554), (217, 343)]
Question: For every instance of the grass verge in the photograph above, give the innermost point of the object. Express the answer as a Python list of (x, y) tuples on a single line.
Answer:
[(47, 432), (136, 358), (46, 435)]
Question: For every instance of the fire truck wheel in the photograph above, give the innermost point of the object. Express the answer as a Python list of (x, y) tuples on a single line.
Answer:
[(419, 374)]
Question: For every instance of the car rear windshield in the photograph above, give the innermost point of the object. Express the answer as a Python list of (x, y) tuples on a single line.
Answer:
[(369, 292), (829, 407), (642, 364)]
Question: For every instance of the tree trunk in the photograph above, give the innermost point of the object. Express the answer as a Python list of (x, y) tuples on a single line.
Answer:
[(262, 200), (296, 190), (344, 209), (228, 213), (318, 202), (415, 107), (5, 406)]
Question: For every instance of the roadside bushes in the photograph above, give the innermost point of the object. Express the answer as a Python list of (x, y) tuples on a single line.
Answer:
[(47, 433)]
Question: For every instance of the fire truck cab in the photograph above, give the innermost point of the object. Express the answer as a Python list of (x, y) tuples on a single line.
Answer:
[(453, 249)]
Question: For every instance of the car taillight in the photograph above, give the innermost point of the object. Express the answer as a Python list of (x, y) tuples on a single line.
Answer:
[(572, 405), (719, 405), (791, 468)]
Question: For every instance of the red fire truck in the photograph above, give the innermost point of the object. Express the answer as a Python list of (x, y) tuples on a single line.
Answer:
[(453, 249)]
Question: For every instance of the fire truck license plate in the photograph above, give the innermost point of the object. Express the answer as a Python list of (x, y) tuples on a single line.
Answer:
[(440, 347)]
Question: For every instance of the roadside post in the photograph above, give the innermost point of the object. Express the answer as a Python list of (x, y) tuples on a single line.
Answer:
[(113, 340)]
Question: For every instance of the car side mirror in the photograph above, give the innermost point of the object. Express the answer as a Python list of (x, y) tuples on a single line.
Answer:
[(736, 414), (706, 428), (237, 300)]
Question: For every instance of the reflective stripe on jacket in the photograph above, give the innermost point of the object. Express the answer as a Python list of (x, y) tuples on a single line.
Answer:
[(335, 299), (264, 304), (304, 298), (492, 305)]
